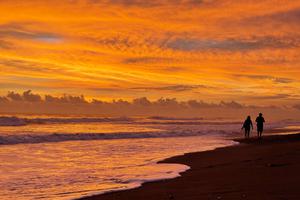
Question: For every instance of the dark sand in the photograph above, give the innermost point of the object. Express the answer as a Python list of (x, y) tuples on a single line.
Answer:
[(255, 169)]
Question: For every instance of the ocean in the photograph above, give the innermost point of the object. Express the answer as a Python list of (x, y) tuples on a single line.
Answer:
[(68, 157)]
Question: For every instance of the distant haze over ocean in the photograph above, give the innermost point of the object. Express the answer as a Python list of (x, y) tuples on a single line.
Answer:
[(30, 103)]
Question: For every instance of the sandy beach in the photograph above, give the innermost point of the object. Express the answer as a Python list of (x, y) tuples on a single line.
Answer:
[(254, 169)]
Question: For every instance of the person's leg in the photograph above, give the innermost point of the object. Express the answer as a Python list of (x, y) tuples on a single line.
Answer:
[(260, 133)]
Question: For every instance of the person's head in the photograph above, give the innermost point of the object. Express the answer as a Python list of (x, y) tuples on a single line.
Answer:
[(249, 118), (260, 114)]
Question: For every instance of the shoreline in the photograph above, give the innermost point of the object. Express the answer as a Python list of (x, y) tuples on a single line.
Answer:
[(209, 161), (163, 161)]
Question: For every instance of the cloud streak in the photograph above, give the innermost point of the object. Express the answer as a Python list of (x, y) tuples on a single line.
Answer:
[(150, 4), (281, 18), (174, 88), (266, 77), (232, 44), (18, 31)]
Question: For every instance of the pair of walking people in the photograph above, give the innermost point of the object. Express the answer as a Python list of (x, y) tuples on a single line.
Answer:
[(259, 124)]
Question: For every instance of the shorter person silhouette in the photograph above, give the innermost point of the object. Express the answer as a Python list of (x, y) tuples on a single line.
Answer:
[(247, 126), (260, 124)]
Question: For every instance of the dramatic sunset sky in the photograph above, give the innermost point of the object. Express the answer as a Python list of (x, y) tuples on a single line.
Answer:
[(210, 50)]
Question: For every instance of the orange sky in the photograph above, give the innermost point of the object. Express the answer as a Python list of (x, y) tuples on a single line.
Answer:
[(213, 50)]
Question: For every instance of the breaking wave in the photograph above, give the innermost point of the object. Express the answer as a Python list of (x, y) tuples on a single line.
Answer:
[(12, 121), (16, 121), (61, 137), (174, 118)]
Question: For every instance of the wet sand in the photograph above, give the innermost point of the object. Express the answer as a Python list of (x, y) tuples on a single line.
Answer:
[(256, 169)]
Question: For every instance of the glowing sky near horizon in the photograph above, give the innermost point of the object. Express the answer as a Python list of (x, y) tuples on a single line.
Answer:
[(211, 50)]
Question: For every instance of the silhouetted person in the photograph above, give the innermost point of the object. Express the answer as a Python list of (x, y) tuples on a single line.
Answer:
[(247, 126), (260, 124)]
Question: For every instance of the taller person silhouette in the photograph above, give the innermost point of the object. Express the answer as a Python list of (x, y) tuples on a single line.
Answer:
[(260, 125)]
